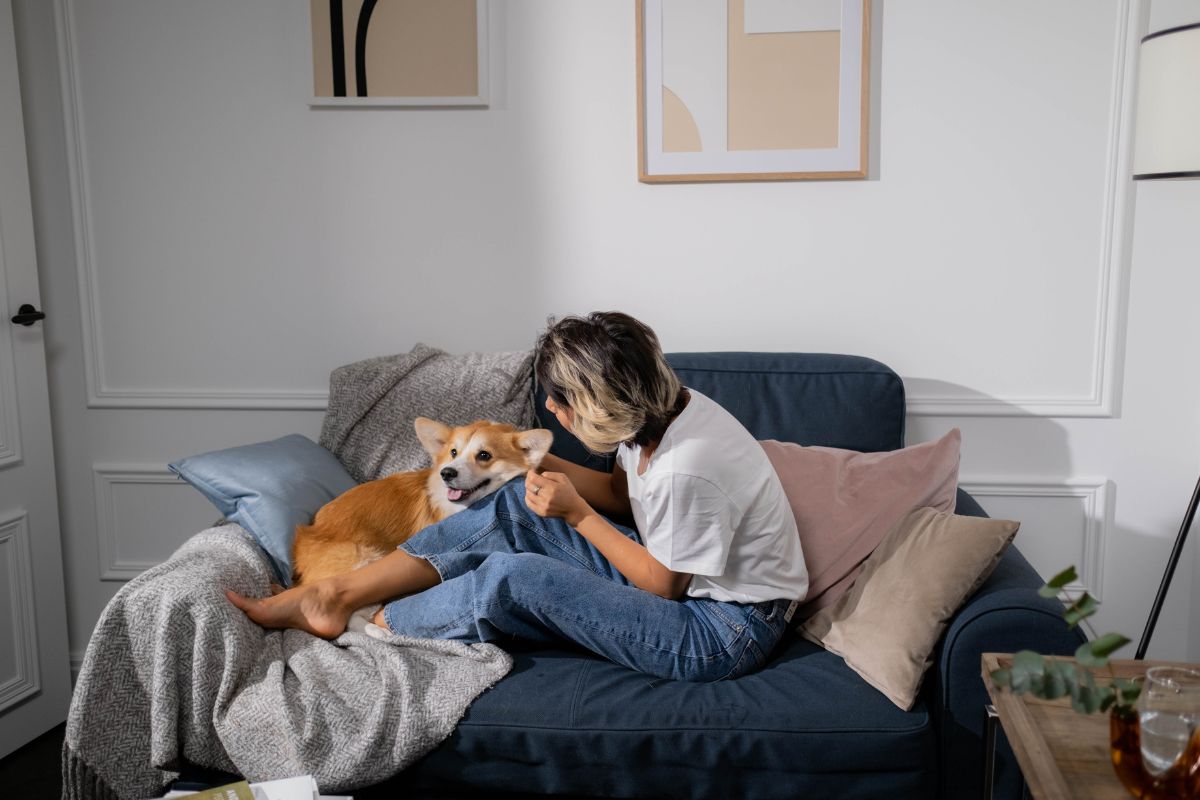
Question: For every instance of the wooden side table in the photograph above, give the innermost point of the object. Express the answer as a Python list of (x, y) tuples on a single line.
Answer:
[(1062, 754)]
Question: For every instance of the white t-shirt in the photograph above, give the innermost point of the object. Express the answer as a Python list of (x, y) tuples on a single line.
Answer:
[(710, 504)]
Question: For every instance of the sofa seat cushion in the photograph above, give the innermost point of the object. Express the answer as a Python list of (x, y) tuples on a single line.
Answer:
[(566, 722)]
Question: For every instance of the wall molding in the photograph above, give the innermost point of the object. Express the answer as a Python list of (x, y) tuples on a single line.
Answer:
[(1097, 517), (14, 534), (1101, 400), (106, 478), (100, 394), (1116, 233)]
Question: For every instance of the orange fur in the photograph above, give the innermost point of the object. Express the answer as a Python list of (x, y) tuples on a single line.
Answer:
[(372, 519)]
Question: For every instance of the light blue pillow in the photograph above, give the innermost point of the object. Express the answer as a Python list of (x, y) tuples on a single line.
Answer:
[(269, 488)]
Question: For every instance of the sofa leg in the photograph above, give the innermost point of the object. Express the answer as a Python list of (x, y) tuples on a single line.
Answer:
[(989, 750)]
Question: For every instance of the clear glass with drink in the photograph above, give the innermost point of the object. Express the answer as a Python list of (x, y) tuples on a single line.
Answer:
[(1159, 755)]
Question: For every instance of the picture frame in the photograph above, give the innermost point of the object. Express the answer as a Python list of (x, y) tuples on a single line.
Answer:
[(399, 53), (753, 90)]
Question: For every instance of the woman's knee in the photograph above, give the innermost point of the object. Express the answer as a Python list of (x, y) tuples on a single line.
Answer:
[(515, 490), (509, 499), (509, 575)]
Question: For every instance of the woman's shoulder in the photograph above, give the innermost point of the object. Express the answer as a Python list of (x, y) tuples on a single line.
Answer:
[(705, 420)]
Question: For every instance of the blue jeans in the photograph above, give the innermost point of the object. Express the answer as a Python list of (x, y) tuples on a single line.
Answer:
[(508, 573)]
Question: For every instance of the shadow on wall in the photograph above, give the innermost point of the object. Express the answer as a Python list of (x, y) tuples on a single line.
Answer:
[(991, 433), (1018, 444)]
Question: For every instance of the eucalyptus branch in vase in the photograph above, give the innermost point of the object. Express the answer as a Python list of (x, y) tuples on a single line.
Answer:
[(1051, 678)]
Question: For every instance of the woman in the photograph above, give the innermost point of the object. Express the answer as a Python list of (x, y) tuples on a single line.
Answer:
[(701, 591)]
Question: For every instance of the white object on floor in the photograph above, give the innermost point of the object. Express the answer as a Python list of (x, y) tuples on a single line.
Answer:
[(302, 787)]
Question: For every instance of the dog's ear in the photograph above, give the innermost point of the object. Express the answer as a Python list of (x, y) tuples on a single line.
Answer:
[(535, 444), (433, 435)]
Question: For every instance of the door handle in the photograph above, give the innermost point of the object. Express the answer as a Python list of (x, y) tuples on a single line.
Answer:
[(27, 315)]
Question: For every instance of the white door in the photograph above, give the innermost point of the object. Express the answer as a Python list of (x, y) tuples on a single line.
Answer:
[(35, 676)]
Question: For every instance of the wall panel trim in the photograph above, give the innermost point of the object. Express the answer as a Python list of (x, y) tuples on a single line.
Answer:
[(1101, 400), (1097, 517), (106, 478), (14, 534), (1116, 229)]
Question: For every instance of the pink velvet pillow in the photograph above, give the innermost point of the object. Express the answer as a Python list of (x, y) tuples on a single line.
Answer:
[(845, 502)]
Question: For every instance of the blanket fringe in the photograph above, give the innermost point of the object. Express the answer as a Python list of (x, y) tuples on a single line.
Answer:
[(80, 781)]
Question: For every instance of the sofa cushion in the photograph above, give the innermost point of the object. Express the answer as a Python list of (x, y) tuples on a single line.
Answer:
[(886, 626), (845, 502), (848, 402), (268, 488), (567, 722)]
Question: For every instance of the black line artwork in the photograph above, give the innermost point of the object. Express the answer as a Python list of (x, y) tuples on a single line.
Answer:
[(337, 48), (360, 46)]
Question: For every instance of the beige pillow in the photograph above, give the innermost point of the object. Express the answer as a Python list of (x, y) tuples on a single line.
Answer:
[(845, 502), (886, 626)]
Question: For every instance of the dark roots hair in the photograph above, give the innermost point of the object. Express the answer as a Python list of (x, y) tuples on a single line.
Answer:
[(610, 370)]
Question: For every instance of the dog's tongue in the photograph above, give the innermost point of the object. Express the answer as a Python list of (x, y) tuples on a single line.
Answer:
[(454, 494)]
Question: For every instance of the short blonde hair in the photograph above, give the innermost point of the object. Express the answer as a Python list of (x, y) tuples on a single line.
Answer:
[(609, 369)]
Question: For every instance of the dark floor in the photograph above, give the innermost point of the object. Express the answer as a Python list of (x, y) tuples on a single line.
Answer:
[(35, 771)]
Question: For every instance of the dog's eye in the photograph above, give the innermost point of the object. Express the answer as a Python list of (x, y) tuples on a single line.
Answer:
[(484, 455), (453, 453)]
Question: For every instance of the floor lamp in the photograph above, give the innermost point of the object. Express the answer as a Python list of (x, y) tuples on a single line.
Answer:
[(1168, 146)]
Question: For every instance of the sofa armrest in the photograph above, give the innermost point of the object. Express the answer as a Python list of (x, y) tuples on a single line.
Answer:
[(1006, 614)]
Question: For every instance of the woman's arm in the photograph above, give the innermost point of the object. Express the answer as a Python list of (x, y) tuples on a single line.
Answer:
[(630, 558), (552, 494), (607, 493)]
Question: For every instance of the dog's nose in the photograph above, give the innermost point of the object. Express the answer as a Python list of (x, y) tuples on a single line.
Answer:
[(449, 473)]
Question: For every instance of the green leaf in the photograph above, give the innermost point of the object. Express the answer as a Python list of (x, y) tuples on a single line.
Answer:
[(1084, 657), (1130, 690), (1095, 654), (1058, 677), (1055, 584), (1028, 661), (1088, 699), (1081, 609), (1027, 668), (1110, 699), (1002, 677), (1109, 643)]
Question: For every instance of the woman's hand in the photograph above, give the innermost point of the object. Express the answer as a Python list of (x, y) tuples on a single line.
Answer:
[(314, 607), (551, 494)]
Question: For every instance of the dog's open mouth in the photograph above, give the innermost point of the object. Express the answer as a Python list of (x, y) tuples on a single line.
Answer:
[(456, 495)]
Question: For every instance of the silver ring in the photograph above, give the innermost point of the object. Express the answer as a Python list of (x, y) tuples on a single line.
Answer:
[(536, 489)]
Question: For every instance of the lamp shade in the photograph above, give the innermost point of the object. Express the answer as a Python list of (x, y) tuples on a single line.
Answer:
[(1168, 106)]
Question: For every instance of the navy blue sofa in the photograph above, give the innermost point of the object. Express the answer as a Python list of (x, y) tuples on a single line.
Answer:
[(567, 723), (564, 722)]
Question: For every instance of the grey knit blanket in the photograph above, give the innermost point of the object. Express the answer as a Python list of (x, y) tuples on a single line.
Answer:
[(372, 403), (174, 672)]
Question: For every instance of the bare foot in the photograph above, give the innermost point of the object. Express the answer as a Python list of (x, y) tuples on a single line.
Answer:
[(313, 607)]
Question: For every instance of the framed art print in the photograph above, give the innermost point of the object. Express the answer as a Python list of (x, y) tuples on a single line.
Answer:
[(752, 90), (399, 52)]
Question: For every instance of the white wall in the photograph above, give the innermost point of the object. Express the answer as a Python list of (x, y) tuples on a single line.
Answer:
[(210, 247)]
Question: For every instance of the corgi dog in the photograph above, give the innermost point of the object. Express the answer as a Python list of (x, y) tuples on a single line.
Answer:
[(372, 519)]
